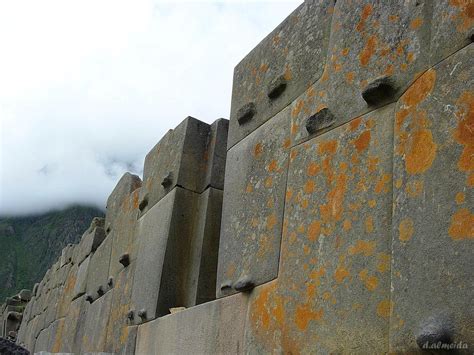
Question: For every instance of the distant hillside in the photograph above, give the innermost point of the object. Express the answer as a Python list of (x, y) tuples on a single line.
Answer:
[(30, 245)]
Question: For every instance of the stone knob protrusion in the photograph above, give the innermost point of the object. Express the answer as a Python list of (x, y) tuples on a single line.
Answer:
[(244, 284), (142, 314), (110, 282), (246, 113), (276, 87), (320, 120), (167, 180), (143, 203), (227, 284), (124, 259), (89, 298), (379, 91), (434, 331), (100, 291), (131, 315)]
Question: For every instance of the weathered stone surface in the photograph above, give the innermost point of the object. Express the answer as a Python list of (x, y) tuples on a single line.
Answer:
[(334, 282), (124, 234), (130, 336), (80, 286), (369, 40), (191, 156), (280, 68), (66, 255), (95, 327), (98, 274), (451, 28), (90, 241), (118, 325), (433, 221), (68, 337), (212, 328), (252, 209), (126, 185), (67, 294), (24, 295), (42, 342), (175, 236)]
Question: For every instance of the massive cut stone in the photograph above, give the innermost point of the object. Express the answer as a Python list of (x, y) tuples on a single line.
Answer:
[(452, 28), (98, 274), (212, 328), (252, 209), (433, 220), (375, 53), (191, 156), (90, 241), (280, 68), (119, 196), (177, 253), (80, 286), (95, 325), (334, 280)]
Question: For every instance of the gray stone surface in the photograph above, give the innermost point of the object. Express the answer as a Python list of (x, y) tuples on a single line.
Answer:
[(80, 286), (95, 327), (284, 64), (172, 244), (90, 241), (369, 40), (252, 214), (115, 203), (130, 342), (212, 328), (433, 204), (191, 156), (451, 29), (98, 274), (72, 330)]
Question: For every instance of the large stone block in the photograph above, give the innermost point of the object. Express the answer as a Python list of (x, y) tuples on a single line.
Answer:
[(212, 328), (333, 288), (191, 156), (67, 293), (124, 245), (80, 286), (126, 185), (433, 220), (95, 326), (452, 27), (42, 342), (252, 216), (175, 236), (280, 68), (90, 241), (98, 275), (375, 53), (118, 327)]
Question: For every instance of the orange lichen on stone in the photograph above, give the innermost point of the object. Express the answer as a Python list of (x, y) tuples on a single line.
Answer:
[(466, 14), (405, 229), (258, 150), (420, 89), (363, 141), (362, 247), (462, 225), (314, 230), (383, 262), (347, 225), (334, 207), (273, 166), (328, 147), (287, 143), (309, 187), (366, 11), (271, 221), (384, 309), (313, 169), (416, 23), (460, 198), (382, 184), (340, 274), (369, 224), (268, 182), (414, 188), (304, 314), (464, 133), (368, 51), (421, 151)]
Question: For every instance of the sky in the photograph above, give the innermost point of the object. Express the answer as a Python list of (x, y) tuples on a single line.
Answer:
[(88, 87)]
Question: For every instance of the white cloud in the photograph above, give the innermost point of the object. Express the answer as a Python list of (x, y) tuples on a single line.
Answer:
[(88, 87)]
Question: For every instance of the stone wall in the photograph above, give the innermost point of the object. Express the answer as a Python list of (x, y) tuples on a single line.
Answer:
[(331, 214)]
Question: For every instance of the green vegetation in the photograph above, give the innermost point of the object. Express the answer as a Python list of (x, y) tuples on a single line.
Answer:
[(30, 245)]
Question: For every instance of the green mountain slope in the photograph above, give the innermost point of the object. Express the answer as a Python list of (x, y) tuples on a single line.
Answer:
[(30, 245)]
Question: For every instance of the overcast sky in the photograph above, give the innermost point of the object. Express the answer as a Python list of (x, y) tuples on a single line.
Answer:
[(88, 87)]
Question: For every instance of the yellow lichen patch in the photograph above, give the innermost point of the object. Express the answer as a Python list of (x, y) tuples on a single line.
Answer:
[(368, 51), (384, 309), (249, 188), (366, 11), (347, 225), (363, 141), (268, 182), (362, 247), (416, 23), (383, 184), (464, 133), (304, 314), (460, 198), (354, 124), (462, 225), (271, 221), (369, 224), (287, 143), (309, 187), (273, 166), (405, 229), (341, 274), (258, 150), (420, 89), (334, 207), (383, 262), (372, 203), (421, 152), (328, 147), (313, 169), (414, 188), (314, 230)]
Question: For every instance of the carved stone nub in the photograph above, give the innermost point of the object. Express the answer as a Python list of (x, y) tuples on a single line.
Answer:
[(167, 180), (244, 284), (246, 113), (320, 120), (276, 87), (125, 260)]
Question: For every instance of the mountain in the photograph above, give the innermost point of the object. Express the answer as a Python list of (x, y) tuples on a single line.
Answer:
[(30, 245)]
